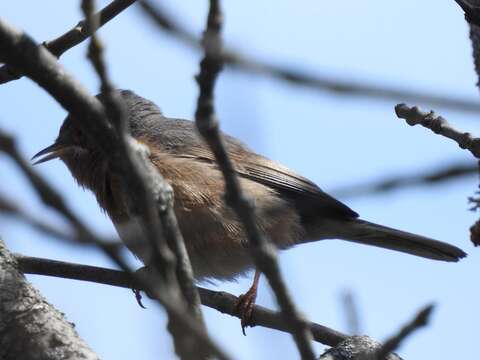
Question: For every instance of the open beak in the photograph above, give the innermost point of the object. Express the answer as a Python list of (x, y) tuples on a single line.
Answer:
[(51, 152)]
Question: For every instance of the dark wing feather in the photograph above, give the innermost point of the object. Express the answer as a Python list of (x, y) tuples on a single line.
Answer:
[(308, 197)]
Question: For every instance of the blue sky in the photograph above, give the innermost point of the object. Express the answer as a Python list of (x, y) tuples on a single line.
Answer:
[(335, 141)]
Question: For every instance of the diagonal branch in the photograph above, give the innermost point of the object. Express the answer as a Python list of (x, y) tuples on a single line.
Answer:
[(421, 319), (207, 123), (38, 64), (164, 199), (472, 12), (49, 196), (71, 38)]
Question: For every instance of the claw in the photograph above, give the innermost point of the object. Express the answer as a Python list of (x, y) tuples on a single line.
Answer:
[(246, 303), (244, 308), (138, 297)]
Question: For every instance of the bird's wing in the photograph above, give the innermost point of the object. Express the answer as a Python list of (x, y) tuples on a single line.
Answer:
[(308, 197)]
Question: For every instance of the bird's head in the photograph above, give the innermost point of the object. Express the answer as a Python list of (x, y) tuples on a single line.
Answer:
[(82, 155)]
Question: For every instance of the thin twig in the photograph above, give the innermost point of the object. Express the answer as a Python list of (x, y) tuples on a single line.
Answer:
[(219, 300), (207, 123), (164, 192), (71, 38), (443, 174), (117, 115), (50, 197), (9, 208), (475, 201), (313, 81), (436, 123), (420, 320), (351, 312)]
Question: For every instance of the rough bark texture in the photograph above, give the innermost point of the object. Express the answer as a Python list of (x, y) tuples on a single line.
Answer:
[(31, 328), (356, 348)]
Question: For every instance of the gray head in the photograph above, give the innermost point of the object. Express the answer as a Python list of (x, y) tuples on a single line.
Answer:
[(81, 155)]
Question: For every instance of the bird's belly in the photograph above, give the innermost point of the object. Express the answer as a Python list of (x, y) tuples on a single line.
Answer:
[(217, 246), (211, 258)]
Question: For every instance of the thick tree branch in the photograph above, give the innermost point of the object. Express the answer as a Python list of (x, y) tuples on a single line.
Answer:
[(31, 328), (356, 348), (221, 301), (71, 38), (322, 83), (207, 123)]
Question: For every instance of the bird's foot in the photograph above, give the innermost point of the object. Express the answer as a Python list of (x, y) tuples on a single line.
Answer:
[(138, 297), (145, 274), (244, 307)]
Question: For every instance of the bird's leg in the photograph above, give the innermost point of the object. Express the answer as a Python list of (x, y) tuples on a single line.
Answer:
[(246, 302), (145, 273)]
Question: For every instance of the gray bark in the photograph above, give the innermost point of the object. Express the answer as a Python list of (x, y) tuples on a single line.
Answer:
[(356, 348), (31, 328)]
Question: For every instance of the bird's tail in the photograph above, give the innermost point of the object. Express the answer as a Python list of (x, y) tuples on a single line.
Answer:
[(364, 232)]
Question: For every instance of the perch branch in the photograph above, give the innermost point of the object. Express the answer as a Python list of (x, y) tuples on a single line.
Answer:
[(218, 300)]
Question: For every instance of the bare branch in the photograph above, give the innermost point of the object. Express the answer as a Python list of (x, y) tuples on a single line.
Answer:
[(9, 208), (263, 251), (31, 328), (50, 198), (420, 320), (219, 300), (71, 38), (322, 83), (164, 192), (441, 175), (436, 123)]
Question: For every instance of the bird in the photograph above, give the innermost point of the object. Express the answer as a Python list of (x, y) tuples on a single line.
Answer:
[(289, 209)]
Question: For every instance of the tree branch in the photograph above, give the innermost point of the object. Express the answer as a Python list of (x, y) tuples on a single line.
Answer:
[(437, 176), (71, 38), (263, 250), (164, 200), (319, 82), (30, 327), (436, 123), (218, 300), (356, 348), (420, 320)]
